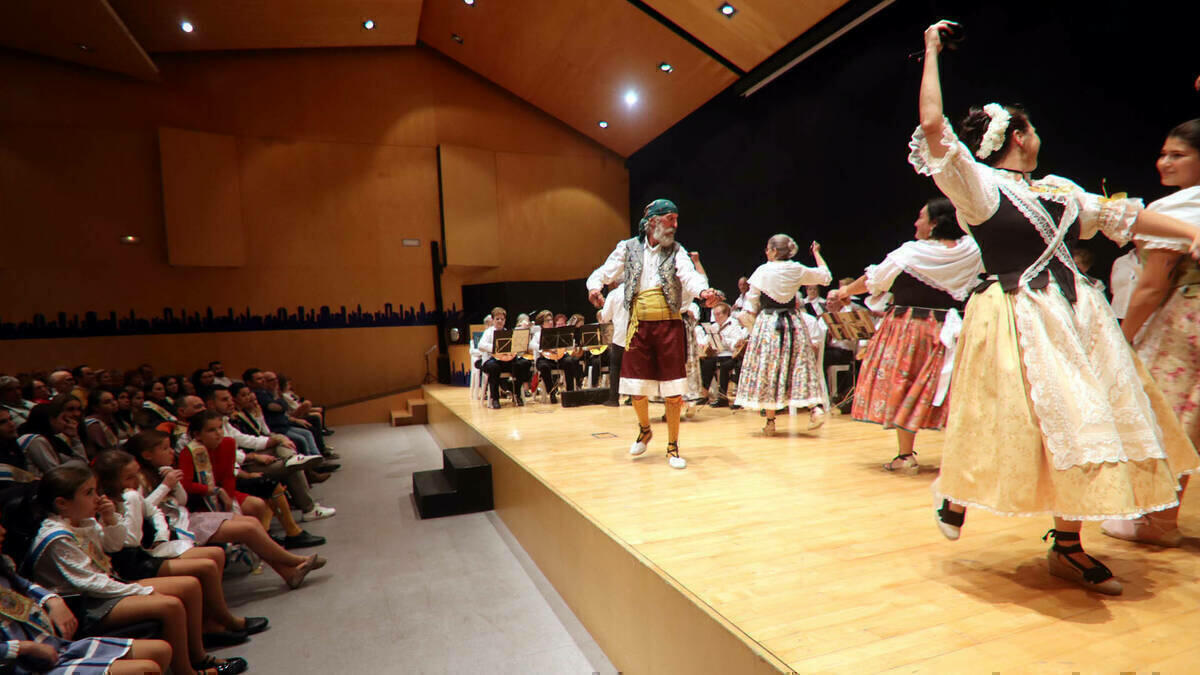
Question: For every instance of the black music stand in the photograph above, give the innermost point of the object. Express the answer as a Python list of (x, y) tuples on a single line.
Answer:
[(563, 337), (856, 325), (515, 341), (595, 335)]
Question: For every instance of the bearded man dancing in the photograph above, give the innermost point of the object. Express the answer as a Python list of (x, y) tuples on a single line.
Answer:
[(659, 279)]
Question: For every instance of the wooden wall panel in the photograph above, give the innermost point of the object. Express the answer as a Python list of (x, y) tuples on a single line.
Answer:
[(202, 199), (470, 222), (327, 193)]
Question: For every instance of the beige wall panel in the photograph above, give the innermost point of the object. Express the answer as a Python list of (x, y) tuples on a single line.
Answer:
[(202, 199), (469, 211)]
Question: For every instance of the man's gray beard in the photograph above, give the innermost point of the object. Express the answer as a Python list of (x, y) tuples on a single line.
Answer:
[(665, 240)]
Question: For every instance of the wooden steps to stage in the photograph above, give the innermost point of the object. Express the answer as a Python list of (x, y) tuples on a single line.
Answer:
[(416, 412), (798, 553)]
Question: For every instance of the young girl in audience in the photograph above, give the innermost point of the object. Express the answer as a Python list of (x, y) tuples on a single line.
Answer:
[(37, 627), (46, 437), (152, 449), (157, 403), (119, 477), (68, 556), (100, 426), (123, 417), (172, 389)]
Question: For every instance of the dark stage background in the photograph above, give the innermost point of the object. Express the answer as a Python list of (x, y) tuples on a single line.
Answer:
[(821, 152)]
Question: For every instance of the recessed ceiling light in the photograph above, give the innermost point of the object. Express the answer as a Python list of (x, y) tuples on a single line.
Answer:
[(468, 2), (602, 124), (131, 240), (665, 67), (631, 98), (83, 47), (727, 9), (186, 26), (456, 37), (369, 24)]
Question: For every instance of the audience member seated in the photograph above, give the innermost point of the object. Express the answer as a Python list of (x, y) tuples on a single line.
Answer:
[(207, 465), (37, 391), (85, 382), (38, 628), (123, 418), (218, 371), (724, 357), (69, 556), (117, 477), (61, 382), (100, 425), (18, 406), (14, 468), (302, 408), (275, 412), (50, 436), (156, 402), (519, 366)]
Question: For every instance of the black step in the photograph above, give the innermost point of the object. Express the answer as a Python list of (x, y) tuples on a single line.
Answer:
[(434, 495), (470, 474), (574, 399)]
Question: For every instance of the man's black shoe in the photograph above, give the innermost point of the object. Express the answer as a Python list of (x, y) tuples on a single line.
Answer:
[(327, 467), (302, 540)]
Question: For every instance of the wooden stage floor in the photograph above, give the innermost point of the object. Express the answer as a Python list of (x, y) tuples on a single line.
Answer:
[(829, 564)]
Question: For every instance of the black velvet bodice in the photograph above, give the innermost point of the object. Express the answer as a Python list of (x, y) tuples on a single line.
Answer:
[(1009, 243), (909, 291)]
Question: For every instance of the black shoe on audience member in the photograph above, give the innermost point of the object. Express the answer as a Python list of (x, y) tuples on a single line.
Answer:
[(230, 666), (224, 638), (302, 540), (327, 467), (327, 432), (329, 454), (255, 625)]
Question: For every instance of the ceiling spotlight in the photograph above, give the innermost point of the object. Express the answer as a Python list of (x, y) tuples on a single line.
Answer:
[(665, 67), (456, 37), (631, 98), (186, 26), (131, 239), (369, 24), (602, 124), (727, 9), (468, 2), (83, 47)]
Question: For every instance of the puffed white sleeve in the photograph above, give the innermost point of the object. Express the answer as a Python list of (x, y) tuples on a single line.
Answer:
[(816, 276), (694, 283), (610, 271), (753, 302), (1184, 205), (880, 277), (968, 184), (1113, 217), (485, 342)]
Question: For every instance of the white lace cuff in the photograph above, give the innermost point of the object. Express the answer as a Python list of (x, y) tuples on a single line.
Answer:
[(925, 163), (1113, 217)]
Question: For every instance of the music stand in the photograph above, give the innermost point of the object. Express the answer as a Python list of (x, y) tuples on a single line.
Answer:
[(515, 341), (562, 337), (714, 336), (853, 325), (595, 335)]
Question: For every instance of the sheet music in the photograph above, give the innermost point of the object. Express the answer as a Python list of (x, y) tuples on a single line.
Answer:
[(512, 341), (714, 334)]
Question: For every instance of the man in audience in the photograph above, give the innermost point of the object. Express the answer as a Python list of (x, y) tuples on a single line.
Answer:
[(725, 353), (13, 466), (521, 368), (813, 303), (36, 391), (85, 382), (61, 382), (218, 371), (270, 455), (275, 411), (11, 400)]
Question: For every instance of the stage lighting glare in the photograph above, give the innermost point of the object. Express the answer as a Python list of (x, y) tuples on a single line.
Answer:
[(631, 98), (186, 26), (666, 67), (728, 10), (369, 24), (602, 124)]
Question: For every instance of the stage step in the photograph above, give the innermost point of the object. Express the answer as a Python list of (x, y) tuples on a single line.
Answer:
[(416, 413), (462, 485)]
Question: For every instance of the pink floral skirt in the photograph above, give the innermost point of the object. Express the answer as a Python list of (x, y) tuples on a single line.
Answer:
[(899, 374)]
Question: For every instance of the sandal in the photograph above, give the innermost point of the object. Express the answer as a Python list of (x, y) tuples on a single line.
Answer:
[(769, 427), (948, 521), (1097, 577), (673, 457), (644, 436), (905, 463)]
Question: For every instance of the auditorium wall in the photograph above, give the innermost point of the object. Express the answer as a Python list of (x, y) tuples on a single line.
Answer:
[(336, 165)]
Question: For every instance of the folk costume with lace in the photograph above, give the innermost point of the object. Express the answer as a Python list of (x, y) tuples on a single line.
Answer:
[(779, 366), (1167, 343), (1053, 414), (905, 376)]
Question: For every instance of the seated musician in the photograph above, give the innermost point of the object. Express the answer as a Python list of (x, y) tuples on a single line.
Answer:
[(549, 359), (495, 364), (724, 353)]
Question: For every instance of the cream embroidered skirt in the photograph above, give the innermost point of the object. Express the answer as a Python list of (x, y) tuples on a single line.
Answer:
[(1054, 415)]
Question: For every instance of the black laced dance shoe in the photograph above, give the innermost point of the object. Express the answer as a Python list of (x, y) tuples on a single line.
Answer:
[(1095, 577)]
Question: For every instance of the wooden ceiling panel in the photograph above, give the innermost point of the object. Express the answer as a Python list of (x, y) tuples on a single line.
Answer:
[(86, 32), (576, 60), (269, 24), (758, 29)]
